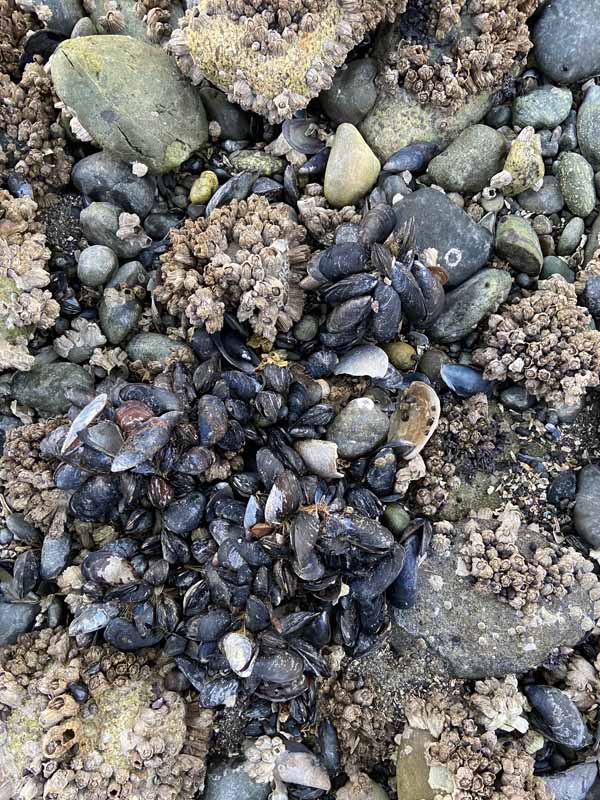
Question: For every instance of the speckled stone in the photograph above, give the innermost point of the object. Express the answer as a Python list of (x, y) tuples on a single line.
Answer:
[(546, 107), (16, 619), (100, 223), (517, 242), (44, 386), (470, 161), (525, 164), (230, 781), (571, 236), (148, 347), (104, 177), (118, 320), (358, 428), (576, 179), (548, 200), (553, 265), (588, 126), (96, 264), (587, 505)]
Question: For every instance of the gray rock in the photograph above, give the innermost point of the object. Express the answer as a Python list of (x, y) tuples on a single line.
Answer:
[(546, 107), (131, 98), (593, 240), (352, 94), (147, 347), (591, 296), (118, 319), (468, 164), (471, 302), (475, 632), (158, 225), (518, 243), (235, 123), (566, 39), (516, 398), (352, 168), (104, 177), (571, 236), (96, 264), (573, 783), (44, 386), (557, 266), (130, 274), (65, 14), (15, 619), (462, 245), (558, 716), (587, 505), (576, 178), (230, 781), (588, 126), (100, 223), (358, 428), (548, 200), (83, 27), (133, 24)]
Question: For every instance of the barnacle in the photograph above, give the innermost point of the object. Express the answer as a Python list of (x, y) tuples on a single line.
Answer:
[(14, 24), (272, 57), (545, 343), (126, 735), (500, 704), (83, 337), (245, 258), (319, 218)]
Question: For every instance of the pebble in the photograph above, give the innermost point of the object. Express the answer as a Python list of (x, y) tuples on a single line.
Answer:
[(571, 236), (157, 226), (352, 94), (517, 242), (548, 200), (566, 39), (402, 355), (525, 164), (147, 347), (83, 27), (568, 137), (230, 781), (96, 264), (553, 265), (103, 177), (516, 398), (234, 122), (563, 488), (431, 363), (118, 320), (546, 107), (44, 386), (588, 126), (576, 179), (499, 117), (591, 296), (352, 168), (100, 223), (307, 328), (463, 246), (471, 302), (130, 274), (16, 619), (395, 518), (204, 187), (65, 14), (468, 164), (558, 717), (572, 784), (586, 517), (395, 188), (593, 240), (358, 428)]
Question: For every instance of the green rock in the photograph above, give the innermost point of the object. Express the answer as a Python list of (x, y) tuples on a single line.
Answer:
[(352, 168), (588, 126), (131, 98), (576, 178), (132, 24), (471, 302), (44, 386), (468, 164), (395, 518), (517, 242), (525, 164), (148, 347), (546, 107), (118, 318), (553, 265), (571, 236), (257, 161)]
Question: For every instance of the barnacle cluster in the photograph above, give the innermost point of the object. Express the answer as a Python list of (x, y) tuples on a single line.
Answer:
[(244, 258), (544, 342), (274, 56), (93, 723), (445, 51), (24, 302), (14, 24), (319, 218)]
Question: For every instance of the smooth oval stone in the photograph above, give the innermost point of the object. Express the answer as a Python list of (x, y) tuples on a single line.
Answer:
[(130, 274), (147, 347), (518, 243), (358, 428), (470, 161), (576, 179), (16, 619), (230, 781), (100, 223), (561, 719), (563, 488), (573, 783), (118, 320), (96, 264), (364, 360), (548, 200), (44, 386), (553, 265), (525, 164), (588, 126), (587, 505), (352, 94), (352, 168), (571, 236), (103, 177), (566, 39), (545, 107)]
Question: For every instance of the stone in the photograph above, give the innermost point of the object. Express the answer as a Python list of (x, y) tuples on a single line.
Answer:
[(157, 226), (593, 240), (402, 355), (103, 177), (118, 319), (44, 386), (100, 223), (352, 168), (553, 265), (131, 98), (397, 119), (563, 488), (96, 264), (64, 14), (546, 107), (588, 130), (412, 768), (358, 428), (571, 236), (547, 200), (475, 631), (573, 783), (576, 179), (154, 347), (470, 161), (431, 363), (352, 94), (566, 40), (259, 162), (591, 296), (230, 781), (586, 517), (471, 302), (130, 274), (133, 24), (234, 122), (463, 246), (395, 518), (16, 619), (516, 398), (518, 243), (83, 27), (560, 719), (525, 164)]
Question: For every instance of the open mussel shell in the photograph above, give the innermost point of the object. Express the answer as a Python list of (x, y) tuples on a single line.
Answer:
[(86, 416), (366, 360), (321, 457), (416, 418), (298, 133), (145, 442), (240, 653), (377, 224)]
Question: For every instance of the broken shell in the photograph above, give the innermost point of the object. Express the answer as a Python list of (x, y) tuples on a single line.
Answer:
[(85, 417), (302, 768), (416, 418), (367, 360), (320, 457), (239, 653)]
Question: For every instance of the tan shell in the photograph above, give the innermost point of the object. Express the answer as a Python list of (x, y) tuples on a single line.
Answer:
[(416, 417)]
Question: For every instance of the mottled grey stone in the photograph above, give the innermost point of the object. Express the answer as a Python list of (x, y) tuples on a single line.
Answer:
[(44, 386), (100, 223), (352, 94), (566, 40), (104, 177), (548, 200), (147, 347), (358, 428), (587, 505), (230, 781), (546, 107), (470, 161), (576, 178), (96, 264), (518, 243)]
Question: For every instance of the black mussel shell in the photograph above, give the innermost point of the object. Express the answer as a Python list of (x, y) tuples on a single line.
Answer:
[(348, 315), (341, 260), (377, 224), (363, 283), (208, 627), (387, 313), (125, 636), (96, 500)]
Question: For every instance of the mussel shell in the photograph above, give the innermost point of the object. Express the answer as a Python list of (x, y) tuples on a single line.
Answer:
[(321, 364), (341, 260), (93, 618), (26, 573), (410, 294), (296, 133), (84, 418), (125, 636), (96, 500), (348, 315), (315, 165), (56, 551), (363, 283), (362, 532), (329, 747), (365, 502), (284, 498), (104, 436), (465, 381), (432, 291), (372, 614), (158, 400), (208, 627), (387, 316), (69, 476), (108, 569), (415, 419), (212, 419), (257, 616), (377, 224), (280, 668), (184, 515), (218, 692), (402, 593), (145, 442), (380, 578), (382, 472), (236, 188)]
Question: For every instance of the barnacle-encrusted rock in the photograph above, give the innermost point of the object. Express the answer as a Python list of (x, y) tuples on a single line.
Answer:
[(243, 258), (14, 24), (274, 57), (544, 342), (124, 736)]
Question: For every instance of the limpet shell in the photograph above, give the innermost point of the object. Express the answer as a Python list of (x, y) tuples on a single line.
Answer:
[(416, 417)]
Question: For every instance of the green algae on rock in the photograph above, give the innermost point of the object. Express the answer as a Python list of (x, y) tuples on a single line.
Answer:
[(131, 99)]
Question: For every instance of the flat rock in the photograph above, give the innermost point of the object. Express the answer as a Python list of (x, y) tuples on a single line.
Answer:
[(517, 242), (149, 347), (44, 386), (230, 781), (131, 98), (101, 176), (474, 630), (352, 168), (470, 161), (566, 40), (463, 246), (358, 428), (546, 107), (15, 619)]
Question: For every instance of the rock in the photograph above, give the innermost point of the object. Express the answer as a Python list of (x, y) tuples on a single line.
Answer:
[(361, 787), (100, 223), (257, 161), (352, 94), (397, 119), (571, 236), (471, 302), (525, 164), (44, 386), (234, 122), (230, 781), (563, 488), (203, 187), (566, 39), (365, 360), (588, 130), (548, 200), (587, 505), (463, 246), (573, 783), (352, 168), (83, 27), (103, 177), (395, 518), (557, 716), (546, 107), (593, 240), (557, 266), (118, 319), (475, 631), (64, 14), (148, 347), (431, 363), (414, 158), (468, 164), (402, 355), (591, 296), (133, 25), (96, 264), (131, 98), (412, 768), (516, 398), (16, 619), (157, 226), (576, 179), (517, 242), (358, 428), (130, 274)]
